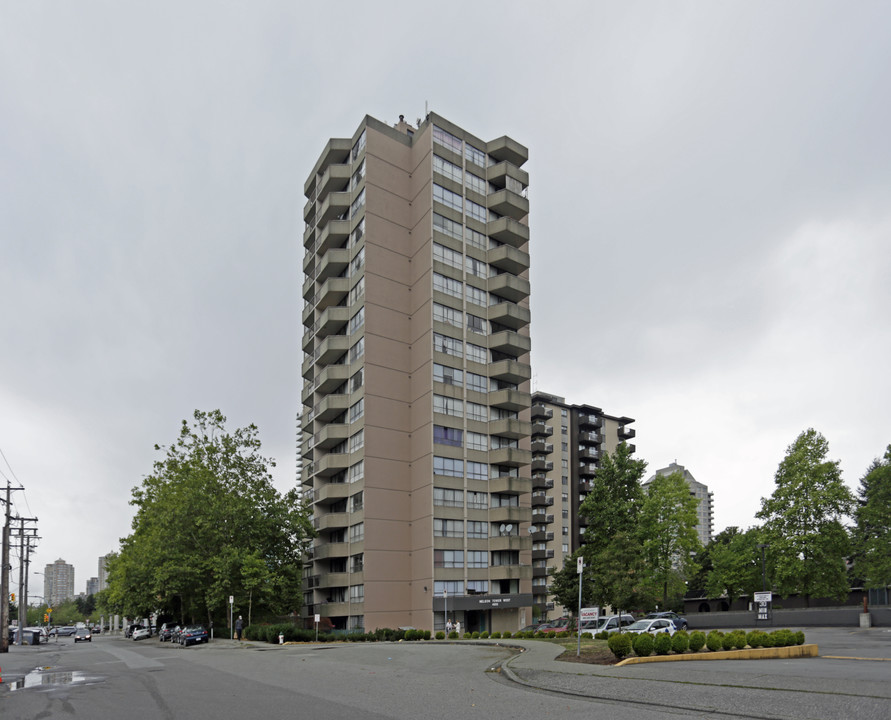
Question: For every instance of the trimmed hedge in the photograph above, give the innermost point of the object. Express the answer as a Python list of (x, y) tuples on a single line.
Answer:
[(714, 641), (680, 642), (662, 644), (697, 641), (620, 644), (643, 645)]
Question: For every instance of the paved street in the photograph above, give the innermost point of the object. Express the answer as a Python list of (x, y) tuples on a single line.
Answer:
[(113, 678)]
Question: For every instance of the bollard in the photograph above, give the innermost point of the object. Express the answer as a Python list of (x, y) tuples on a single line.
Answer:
[(281, 638)]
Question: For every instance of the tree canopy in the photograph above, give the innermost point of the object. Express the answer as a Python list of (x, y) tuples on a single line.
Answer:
[(803, 521), (209, 524), (872, 531), (735, 560)]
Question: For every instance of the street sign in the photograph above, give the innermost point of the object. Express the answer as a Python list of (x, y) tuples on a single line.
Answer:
[(579, 564), (762, 605), (589, 614), (231, 599)]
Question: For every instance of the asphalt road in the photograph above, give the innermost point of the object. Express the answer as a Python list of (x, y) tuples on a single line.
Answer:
[(113, 678)]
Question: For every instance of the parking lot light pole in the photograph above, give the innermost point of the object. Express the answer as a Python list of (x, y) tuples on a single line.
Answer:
[(763, 547)]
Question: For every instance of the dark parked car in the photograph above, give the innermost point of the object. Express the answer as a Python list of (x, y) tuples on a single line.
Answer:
[(128, 631), (83, 634), (66, 631), (192, 635), (680, 623), (167, 631)]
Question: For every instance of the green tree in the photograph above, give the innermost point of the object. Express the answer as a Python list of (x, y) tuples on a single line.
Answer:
[(803, 521), (565, 585), (668, 534), (611, 544), (209, 524), (872, 531), (735, 563)]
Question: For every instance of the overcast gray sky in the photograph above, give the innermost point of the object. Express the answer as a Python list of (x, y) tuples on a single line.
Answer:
[(710, 211)]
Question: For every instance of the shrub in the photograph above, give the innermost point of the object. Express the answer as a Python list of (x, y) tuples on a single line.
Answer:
[(680, 642), (484, 634), (767, 640), (697, 641), (495, 635), (475, 634), (799, 638), (783, 638), (662, 644), (453, 635), (467, 636), (714, 641), (587, 635), (620, 644), (506, 634), (643, 645), (739, 640), (440, 635), (564, 634), (603, 635), (752, 638), (426, 634)]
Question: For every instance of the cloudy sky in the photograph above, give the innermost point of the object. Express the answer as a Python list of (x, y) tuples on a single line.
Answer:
[(710, 211)]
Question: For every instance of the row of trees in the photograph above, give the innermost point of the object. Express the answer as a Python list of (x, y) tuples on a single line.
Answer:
[(209, 524), (640, 548)]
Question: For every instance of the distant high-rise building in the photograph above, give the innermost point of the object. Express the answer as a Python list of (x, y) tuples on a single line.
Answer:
[(705, 509), (103, 572), (568, 443), (416, 379), (92, 586), (58, 582)]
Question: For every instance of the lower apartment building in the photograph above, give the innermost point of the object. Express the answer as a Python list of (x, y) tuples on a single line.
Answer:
[(568, 442), (416, 423)]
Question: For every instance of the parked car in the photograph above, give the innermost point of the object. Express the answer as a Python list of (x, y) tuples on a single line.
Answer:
[(679, 622), (192, 635), (128, 631), (559, 625), (141, 633), (65, 631), (654, 626), (613, 623), (83, 634), (96, 629), (531, 628), (167, 631)]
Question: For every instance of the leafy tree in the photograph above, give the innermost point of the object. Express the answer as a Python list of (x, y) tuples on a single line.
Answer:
[(611, 548), (735, 563), (565, 585), (668, 533), (872, 532), (209, 524), (803, 521)]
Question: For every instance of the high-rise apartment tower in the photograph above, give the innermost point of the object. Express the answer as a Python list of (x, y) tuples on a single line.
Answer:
[(416, 450), (58, 582)]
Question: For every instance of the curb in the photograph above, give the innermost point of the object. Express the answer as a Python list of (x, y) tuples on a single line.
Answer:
[(792, 651)]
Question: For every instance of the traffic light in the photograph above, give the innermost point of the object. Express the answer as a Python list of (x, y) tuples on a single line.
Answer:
[(45, 617), (13, 597)]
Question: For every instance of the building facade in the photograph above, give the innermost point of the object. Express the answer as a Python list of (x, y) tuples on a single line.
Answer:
[(568, 442), (416, 403), (58, 582), (103, 572), (92, 586), (705, 509)]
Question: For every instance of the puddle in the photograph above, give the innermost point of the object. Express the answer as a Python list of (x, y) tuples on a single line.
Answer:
[(47, 678)]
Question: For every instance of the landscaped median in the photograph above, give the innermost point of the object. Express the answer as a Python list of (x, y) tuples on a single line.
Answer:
[(795, 651)]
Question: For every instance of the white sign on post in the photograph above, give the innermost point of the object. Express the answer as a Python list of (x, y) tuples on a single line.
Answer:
[(589, 614), (579, 564)]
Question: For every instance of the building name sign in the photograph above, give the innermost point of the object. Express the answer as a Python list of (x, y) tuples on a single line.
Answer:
[(762, 605)]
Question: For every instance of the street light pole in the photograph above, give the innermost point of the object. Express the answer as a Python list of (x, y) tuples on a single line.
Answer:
[(763, 547)]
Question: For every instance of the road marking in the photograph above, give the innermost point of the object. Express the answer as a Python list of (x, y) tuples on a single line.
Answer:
[(848, 657)]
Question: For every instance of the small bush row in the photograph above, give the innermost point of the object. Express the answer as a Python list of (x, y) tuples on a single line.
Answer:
[(644, 644)]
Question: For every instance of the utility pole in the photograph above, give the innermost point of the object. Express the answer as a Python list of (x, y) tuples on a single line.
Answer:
[(4, 571), (23, 606)]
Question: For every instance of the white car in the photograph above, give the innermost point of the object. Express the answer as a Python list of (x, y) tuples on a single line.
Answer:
[(142, 633), (653, 626)]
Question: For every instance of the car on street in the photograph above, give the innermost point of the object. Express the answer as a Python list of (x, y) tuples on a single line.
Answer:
[(192, 635), (65, 631), (613, 623), (654, 626), (141, 633), (83, 635), (680, 623)]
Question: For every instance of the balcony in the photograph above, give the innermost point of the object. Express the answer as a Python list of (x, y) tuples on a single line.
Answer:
[(331, 435), (332, 580), (332, 264), (509, 485), (332, 377), (331, 550), (540, 428), (508, 231), (309, 235), (587, 469), (332, 521), (509, 542), (331, 407), (509, 259), (542, 465), (508, 150), (589, 453), (510, 457), (509, 286), (509, 428), (332, 292), (330, 349), (331, 464), (510, 315), (337, 609), (590, 437), (539, 571), (331, 493), (541, 411), (334, 235), (540, 446), (510, 514), (542, 554), (508, 204), (511, 343), (336, 152), (336, 178), (512, 371), (586, 420), (509, 399), (332, 321), (309, 288), (627, 433), (497, 174), (510, 572), (334, 206), (539, 499)]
